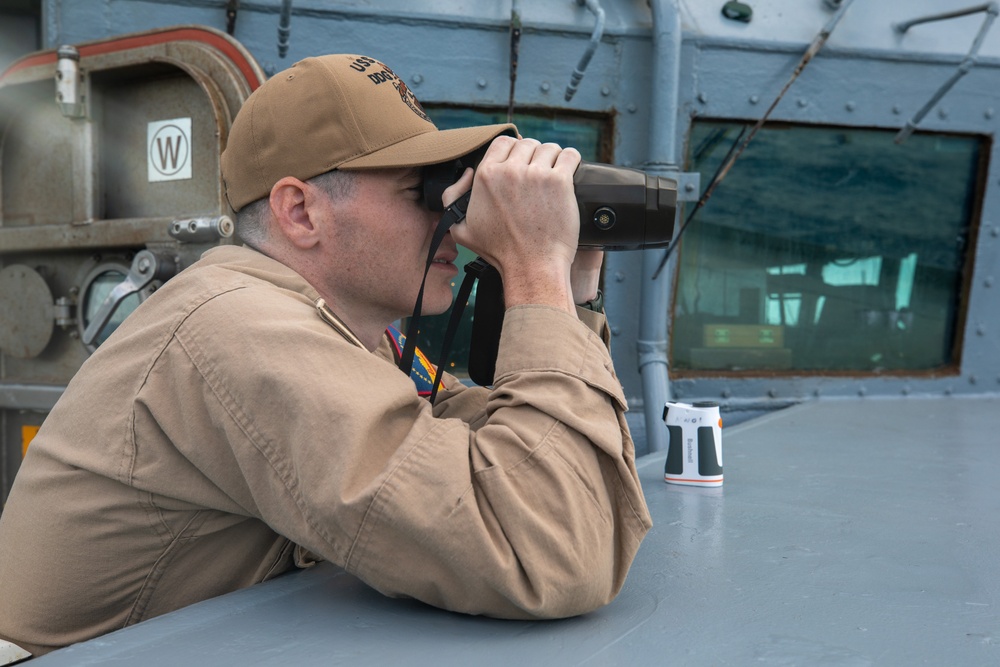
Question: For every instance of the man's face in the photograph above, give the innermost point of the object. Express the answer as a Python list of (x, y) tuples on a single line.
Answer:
[(377, 249)]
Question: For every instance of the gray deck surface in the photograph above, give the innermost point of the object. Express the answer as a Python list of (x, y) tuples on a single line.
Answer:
[(848, 532)]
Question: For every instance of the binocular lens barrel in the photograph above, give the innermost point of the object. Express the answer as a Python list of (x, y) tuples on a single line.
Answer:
[(620, 208)]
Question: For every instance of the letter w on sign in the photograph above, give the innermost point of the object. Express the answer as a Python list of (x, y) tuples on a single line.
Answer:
[(168, 150)]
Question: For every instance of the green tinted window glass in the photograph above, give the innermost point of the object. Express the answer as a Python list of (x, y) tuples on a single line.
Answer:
[(584, 134), (826, 249)]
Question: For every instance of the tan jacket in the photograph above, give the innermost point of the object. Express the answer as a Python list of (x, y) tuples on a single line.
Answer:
[(225, 422)]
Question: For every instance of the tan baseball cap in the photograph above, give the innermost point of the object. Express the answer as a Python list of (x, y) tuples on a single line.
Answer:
[(335, 112)]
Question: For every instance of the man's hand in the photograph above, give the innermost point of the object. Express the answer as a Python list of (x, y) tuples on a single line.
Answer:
[(523, 219)]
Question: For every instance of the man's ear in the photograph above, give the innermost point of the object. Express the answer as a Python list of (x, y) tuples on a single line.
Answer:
[(291, 201)]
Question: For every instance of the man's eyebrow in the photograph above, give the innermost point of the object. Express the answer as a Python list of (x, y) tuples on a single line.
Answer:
[(412, 176)]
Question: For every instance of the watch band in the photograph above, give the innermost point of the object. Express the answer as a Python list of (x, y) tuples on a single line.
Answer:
[(596, 304)]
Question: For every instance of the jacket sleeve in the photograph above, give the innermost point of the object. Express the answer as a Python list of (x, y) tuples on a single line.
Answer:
[(468, 403), (532, 510)]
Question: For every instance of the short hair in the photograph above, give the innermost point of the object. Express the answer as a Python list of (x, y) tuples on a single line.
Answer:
[(253, 219)]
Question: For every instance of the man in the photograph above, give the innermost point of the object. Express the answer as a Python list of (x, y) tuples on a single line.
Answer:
[(248, 417)]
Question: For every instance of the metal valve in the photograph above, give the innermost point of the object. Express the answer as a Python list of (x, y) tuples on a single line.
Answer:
[(147, 268)]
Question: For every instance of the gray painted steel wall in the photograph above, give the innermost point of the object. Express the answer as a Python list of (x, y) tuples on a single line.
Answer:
[(455, 51)]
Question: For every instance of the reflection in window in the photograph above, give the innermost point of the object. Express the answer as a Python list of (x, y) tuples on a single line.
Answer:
[(99, 290), (584, 134), (826, 249)]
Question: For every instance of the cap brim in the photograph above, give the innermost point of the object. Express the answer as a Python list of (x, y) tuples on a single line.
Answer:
[(430, 147)]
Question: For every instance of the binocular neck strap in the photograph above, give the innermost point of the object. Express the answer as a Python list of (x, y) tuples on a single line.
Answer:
[(473, 270), (454, 214)]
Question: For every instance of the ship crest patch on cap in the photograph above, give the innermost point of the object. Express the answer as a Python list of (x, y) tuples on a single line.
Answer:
[(379, 73)]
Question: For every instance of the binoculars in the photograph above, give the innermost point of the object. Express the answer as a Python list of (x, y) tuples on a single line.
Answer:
[(620, 208)]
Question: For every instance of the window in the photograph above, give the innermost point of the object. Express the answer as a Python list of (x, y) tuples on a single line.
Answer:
[(826, 249), (584, 134)]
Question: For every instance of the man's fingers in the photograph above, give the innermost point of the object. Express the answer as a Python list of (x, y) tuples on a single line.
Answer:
[(500, 149), (569, 158), (458, 188)]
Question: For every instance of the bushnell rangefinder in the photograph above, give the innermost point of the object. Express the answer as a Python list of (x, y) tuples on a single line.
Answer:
[(620, 208)]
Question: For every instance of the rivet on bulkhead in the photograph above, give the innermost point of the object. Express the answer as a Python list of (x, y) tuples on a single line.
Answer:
[(481, 83)]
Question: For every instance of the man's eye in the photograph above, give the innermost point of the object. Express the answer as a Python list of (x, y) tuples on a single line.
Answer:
[(417, 191)]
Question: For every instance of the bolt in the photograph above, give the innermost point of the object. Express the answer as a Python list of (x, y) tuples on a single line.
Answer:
[(972, 379), (144, 264), (605, 91), (772, 392), (802, 103), (703, 98), (619, 277), (849, 106), (995, 231), (726, 393), (862, 391), (616, 331), (631, 107), (942, 113), (896, 110), (988, 113), (988, 282), (754, 99), (947, 391), (481, 83), (417, 79), (981, 330), (545, 87), (689, 187), (906, 390)]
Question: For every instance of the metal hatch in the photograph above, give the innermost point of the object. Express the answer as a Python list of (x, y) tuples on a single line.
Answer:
[(109, 184)]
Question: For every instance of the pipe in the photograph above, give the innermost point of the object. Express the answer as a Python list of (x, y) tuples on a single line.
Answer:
[(284, 27), (595, 39), (515, 50), (991, 9), (655, 297)]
